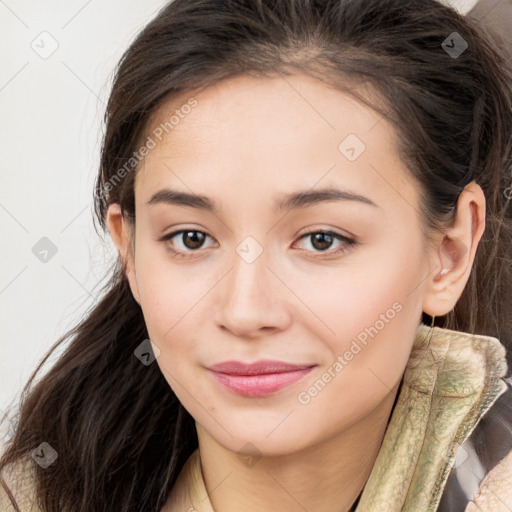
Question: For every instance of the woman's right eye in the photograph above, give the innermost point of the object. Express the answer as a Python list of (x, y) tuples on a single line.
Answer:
[(190, 240)]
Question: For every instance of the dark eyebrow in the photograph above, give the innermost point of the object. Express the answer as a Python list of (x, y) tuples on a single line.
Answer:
[(166, 195), (292, 201), (310, 197)]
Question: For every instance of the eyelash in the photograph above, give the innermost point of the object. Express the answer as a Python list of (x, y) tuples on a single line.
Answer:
[(349, 243)]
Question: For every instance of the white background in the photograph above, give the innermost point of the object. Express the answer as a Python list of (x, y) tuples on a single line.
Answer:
[(50, 132), (51, 112)]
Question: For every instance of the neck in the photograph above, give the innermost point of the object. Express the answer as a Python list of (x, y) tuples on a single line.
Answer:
[(327, 476)]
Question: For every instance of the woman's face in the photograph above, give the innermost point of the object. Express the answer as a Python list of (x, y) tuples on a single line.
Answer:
[(244, 282)]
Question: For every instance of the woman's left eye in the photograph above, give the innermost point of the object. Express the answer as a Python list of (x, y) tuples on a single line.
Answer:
[(321, 241)]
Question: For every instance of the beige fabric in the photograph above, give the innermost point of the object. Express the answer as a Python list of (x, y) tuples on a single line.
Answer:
[(20, 482), (451, 380), (189, 493)]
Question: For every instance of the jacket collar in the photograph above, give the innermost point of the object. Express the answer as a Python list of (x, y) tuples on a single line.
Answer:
[(451, 380)]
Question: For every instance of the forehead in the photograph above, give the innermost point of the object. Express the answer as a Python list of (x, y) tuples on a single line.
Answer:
[(280, 101), (273, 133)]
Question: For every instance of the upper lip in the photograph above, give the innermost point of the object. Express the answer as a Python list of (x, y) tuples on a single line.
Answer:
[(265, 366)]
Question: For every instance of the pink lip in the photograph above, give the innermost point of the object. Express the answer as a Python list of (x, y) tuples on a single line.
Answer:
[(259, 378)]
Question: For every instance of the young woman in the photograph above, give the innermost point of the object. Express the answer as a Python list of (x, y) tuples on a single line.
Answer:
[(311, 309)]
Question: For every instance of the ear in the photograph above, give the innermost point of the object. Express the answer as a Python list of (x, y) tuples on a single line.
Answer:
[(452, 257), (122, 235)]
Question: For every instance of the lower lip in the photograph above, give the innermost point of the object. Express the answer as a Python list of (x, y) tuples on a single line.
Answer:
[(259, 385)]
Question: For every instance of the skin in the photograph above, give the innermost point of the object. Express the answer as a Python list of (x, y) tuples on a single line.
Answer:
[(247, 143)]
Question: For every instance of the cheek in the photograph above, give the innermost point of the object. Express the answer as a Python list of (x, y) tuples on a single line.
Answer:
[(369, 351), (168, 292), (170, 299), (175, 304), (370, 287), (369, 313)]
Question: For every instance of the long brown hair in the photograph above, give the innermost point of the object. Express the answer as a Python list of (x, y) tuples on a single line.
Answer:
[(120, 433)]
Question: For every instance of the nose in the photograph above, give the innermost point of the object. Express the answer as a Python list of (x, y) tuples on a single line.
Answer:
[(252, 300)]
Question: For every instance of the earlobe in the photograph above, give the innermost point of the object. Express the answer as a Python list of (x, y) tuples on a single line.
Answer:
[(454, 254), (121, 236)]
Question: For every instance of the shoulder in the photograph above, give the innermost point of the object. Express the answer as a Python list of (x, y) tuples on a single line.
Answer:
[(481, 477), (495, 491), (19, 481)]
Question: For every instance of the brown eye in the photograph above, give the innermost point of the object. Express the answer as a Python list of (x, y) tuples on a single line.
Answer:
[(321, 241), (184, 241), (192, 239)]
